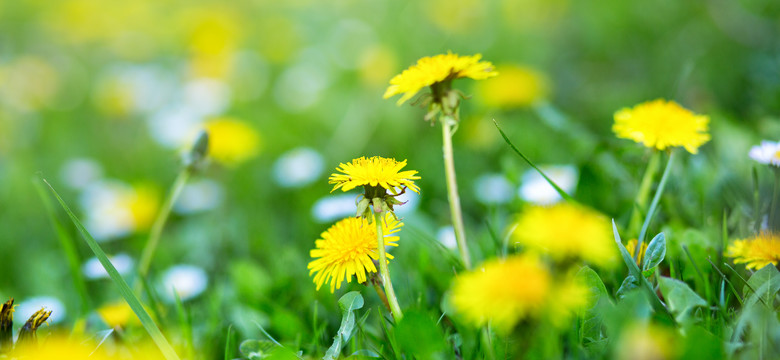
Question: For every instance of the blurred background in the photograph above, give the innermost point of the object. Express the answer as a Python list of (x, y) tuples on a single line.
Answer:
[(103, 97)]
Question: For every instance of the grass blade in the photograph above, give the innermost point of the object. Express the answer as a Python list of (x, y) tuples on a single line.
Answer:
[(557, 188), (134, 303)]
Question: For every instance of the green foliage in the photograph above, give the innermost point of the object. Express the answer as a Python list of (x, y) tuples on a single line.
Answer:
[(682, 301), (418, 334), (348, 303)]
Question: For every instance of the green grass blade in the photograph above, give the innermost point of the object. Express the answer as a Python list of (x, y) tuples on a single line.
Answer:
[(229, 344), (560, 191), (68, 246), (135, 304), (633, 269)]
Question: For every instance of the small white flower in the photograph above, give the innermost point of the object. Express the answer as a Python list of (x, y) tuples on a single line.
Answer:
[(106, 216), (26, 308), (334, 207), (493, 189), (766, 153), (537, 190), (446, 236), (79, 172), (187, 281), (93, 269), (298, 167), (199, 196)]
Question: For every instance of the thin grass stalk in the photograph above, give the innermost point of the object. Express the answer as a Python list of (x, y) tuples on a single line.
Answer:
[(452, 191), (640, 202), (654, 204), (395, 309)]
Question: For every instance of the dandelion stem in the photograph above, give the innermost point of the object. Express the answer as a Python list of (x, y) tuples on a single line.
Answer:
[(376, 281), (162, 218), (452, 189), (654, 204), (773, 204), (644, 192), (383, 271)]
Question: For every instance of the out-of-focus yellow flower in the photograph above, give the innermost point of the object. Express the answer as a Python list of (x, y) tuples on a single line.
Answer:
[(374, 171), (348, 248), (456, 16), (232, 142), (631, 247), (565, 231), (118, 314), (435, 69), (517, 86), (660, 124), (214, 35), (541, 15), (646, 342), (59, 347), (142, 203), (376, 64), (756, 252), (502, 293)]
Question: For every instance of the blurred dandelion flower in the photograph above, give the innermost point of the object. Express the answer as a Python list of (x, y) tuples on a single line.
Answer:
[(631, 247), (117, 315), (767, 153), (348, 248), (518, 86), (756, 252), (661, 124), (502, 292), (115, 209), (374, 171), (646, 342), (232, 142), (566, 231), (435, 69)]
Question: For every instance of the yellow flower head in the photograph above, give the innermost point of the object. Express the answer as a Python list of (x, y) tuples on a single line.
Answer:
[(58, 347), (518, 86), (565, 231), (431, 70), (756, 252), (142, 203), (661, 124), (374, 171), (118, 314), (348, 248), (631, 247), (505, 292), (232, 142)]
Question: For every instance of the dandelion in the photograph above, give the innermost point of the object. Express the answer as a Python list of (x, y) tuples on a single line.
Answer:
[(432, 70), (756, 252), (349, 248), (504, 292), (661, 124), (631, 247), (377, 175), (518, 86), (767, 153), (565, 231), (117, 315), (232, 142)]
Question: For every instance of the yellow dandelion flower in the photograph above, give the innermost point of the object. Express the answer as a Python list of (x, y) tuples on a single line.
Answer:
[(348, 248), (232, 142), (661, 124), (566, 231), (142, 203), (518, 86), (59, 347), (566, 298), (118, 314), (756, 252), (502, 292), (631, 247), (374, 171), (435, 69)]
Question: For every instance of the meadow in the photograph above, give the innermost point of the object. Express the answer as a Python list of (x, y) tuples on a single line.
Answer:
[(438, 179)]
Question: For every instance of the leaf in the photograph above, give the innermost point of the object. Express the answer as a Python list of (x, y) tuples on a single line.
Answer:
[(590, 318), (633, 270), (348, 303), (367, 353), (417, 333), (766, 283), (256, 349), (682, 300), (557, 188), (133, 301), (655, 253), (629, 283)]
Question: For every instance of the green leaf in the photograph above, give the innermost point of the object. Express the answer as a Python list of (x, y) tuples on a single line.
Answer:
[(766, 283), (590, 318), (633, 270), (124, 289), (655, 253), (348, 303), (417, 333), (557, 188), (256, 349), (682, 300), (629, 283)]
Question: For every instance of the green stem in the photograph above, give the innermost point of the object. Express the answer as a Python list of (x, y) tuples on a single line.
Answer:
[(644, 192), (383, 271), (452, 189), (654, 204), (159, 223)]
